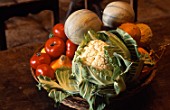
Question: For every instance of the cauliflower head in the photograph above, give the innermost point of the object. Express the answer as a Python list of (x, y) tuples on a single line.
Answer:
[(93, 54)]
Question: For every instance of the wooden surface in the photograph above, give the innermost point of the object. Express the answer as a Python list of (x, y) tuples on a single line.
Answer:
[(13, 8), (18, 89)]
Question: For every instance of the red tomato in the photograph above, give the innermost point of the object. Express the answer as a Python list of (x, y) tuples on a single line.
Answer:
[(45, 70), (58, 31), (39, 58), (55, 47), (70, 49)]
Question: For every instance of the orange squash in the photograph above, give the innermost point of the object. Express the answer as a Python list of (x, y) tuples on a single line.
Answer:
[(62, 61), (132, 30), (146, 35)]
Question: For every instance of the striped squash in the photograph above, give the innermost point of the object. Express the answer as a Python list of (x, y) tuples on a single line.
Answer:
[(116, 13), (79, 22)]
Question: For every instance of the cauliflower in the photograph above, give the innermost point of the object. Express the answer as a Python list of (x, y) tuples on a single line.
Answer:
[(102, 64), (93, 54)]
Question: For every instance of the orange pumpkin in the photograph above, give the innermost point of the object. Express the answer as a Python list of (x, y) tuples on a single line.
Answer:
[(62, 61), (132, 30), (146, 34)]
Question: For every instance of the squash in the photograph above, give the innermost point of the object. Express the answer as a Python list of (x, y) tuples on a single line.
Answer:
[(79, 22), (146, 35), (132, 30), (62, 61), (116, 13)]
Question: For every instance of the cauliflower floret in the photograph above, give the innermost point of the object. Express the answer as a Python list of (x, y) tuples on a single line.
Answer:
[(93, 54)]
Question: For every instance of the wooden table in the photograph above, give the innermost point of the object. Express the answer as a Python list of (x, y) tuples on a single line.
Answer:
[(10, 8)]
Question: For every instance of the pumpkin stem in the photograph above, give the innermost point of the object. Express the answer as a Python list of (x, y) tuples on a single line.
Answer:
[(63, 57)]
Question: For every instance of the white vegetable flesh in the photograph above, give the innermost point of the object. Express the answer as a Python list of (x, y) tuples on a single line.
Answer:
[(93, 54)]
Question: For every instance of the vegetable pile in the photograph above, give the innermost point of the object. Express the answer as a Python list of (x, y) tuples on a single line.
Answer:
[(57, 52), (105, 64)]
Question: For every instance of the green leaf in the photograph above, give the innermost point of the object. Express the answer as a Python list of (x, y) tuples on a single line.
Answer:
[(147, 59), (95, 35), (100, 77), (47, 83), (119, 85), (128, 41), (58, 96), (63, 78), (101, 106), (50, 35), (117, 45), (87, 91)]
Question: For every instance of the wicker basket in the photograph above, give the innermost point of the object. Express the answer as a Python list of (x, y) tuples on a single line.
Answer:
[(81, 104)]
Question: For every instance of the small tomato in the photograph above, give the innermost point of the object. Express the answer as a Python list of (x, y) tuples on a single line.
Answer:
[(70, 49), (55, 47), (45, 70), (39, 58), (58, 31)]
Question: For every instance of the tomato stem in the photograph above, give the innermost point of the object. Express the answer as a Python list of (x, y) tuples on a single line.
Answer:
[(53, 44), (38, 53)]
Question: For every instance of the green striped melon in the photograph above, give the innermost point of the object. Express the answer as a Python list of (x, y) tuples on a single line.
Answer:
[(79, 22), (116, 13)]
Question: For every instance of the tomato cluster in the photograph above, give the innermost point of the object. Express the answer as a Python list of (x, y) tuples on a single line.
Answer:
[(54, 47)]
